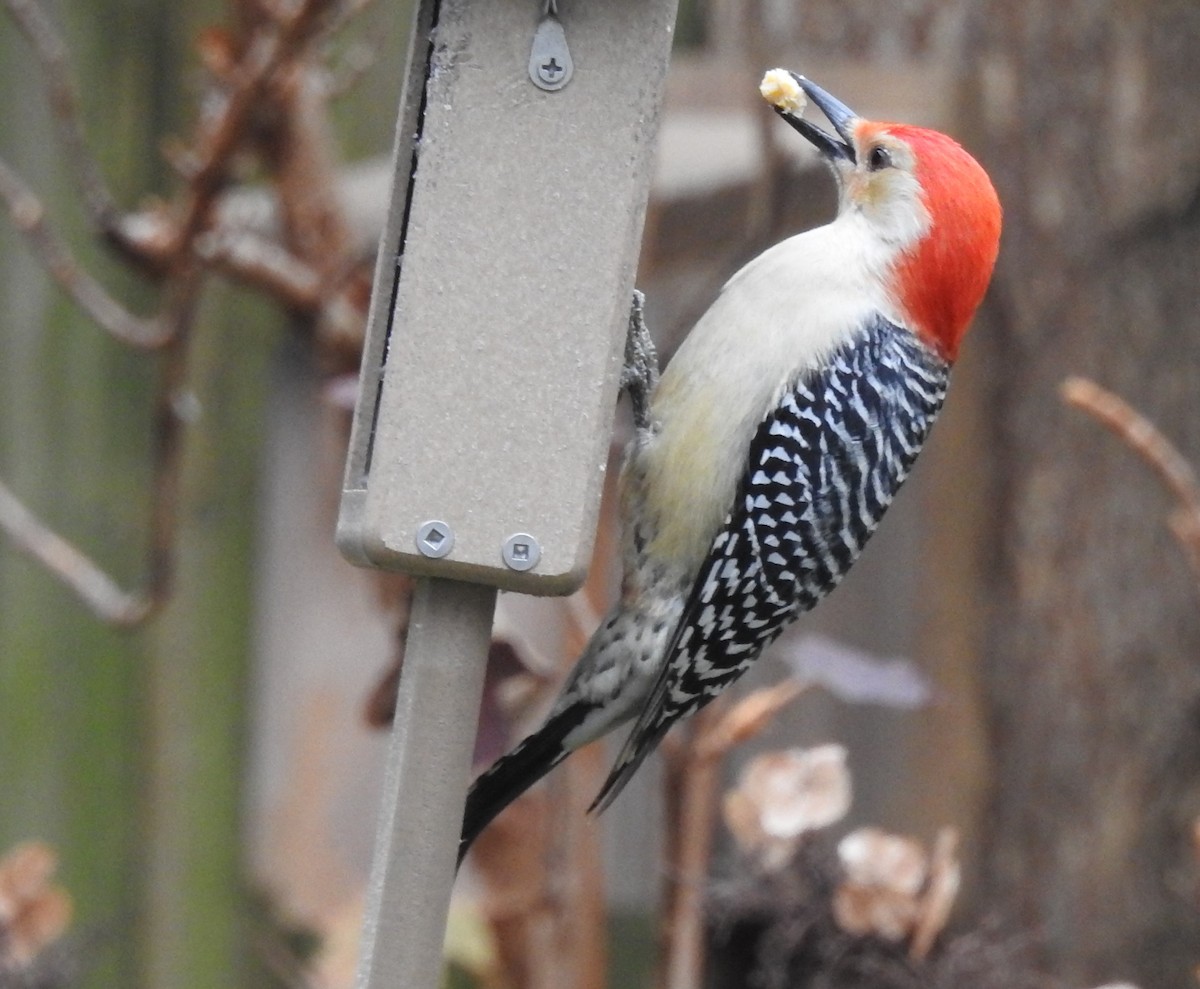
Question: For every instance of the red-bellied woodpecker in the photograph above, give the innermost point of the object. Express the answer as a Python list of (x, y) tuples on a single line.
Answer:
[(776, 438)]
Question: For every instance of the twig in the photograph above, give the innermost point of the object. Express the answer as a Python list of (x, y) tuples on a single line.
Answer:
[(170, 417), (1155, 450), (691, 807), (74, 568), (312, 272), (263, 264), (581, 924), (748, 718), (693, 778), (937, 901), (223, 135), (178, 248), (270, 47), (1141, 435), (298, 148), (337, 317), (107, 600), (29, 216), (51, 54)]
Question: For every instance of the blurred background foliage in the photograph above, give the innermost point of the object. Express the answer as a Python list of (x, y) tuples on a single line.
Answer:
[(126, 750)]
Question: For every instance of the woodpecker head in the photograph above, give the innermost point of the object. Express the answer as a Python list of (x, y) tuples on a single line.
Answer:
[(928, 203)]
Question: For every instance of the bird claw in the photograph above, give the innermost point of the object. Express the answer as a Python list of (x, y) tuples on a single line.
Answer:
[(639, 376)]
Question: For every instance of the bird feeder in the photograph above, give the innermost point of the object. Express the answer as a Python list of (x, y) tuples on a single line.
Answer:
[(494, 345)]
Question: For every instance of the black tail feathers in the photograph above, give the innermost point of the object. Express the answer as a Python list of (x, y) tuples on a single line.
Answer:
[(513, 774), (631, 757)]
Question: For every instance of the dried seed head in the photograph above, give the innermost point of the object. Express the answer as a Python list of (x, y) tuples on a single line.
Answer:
[(864, 910), (892, 890), (782, 796), (33, 912)]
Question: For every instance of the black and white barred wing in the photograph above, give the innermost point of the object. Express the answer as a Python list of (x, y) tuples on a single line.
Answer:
[(822, 468)]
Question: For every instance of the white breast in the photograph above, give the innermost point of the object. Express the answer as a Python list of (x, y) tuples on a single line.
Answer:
[(784, 312)]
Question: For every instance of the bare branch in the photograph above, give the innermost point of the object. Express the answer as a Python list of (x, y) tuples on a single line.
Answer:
[(1139, 434), (937, 901), (263, 264), (1155, 450), (90, 582), (338, 320), (692, 795), (693, 783), (223, 135), (179, 246), (29, 215), (52, 55), (748, 718), (107, 600), (171, 414), (304, 171), (271, 46)]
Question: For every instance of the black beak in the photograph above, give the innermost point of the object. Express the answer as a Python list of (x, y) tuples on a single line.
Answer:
[(840, 115)]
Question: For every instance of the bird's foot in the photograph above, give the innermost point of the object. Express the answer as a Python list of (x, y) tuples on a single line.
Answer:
[(639, 377)]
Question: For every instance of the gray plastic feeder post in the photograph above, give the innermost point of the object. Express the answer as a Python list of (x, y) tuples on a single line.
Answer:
[(489, 376)]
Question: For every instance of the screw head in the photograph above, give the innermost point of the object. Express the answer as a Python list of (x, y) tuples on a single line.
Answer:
[(550, 63), (435, 539), (521, 552), (550, 71)]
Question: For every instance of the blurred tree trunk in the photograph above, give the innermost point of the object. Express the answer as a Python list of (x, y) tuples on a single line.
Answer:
[(123, 749), (1086, 115), (195, 923)]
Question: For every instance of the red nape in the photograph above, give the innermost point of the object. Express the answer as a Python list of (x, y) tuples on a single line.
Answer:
[(943, 278)]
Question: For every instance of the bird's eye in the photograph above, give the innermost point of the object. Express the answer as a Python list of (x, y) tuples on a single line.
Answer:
[(880, 157)]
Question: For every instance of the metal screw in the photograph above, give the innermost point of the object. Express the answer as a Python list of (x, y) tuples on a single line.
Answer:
[(435, 539), (550, 71), (521, 552)]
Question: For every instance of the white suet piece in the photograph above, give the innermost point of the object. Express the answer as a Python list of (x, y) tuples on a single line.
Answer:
[(779, 88)]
